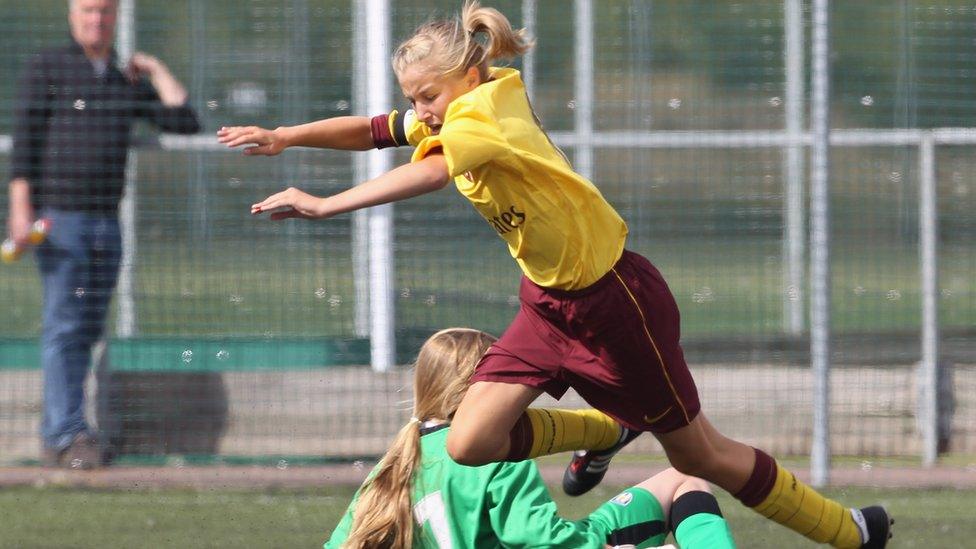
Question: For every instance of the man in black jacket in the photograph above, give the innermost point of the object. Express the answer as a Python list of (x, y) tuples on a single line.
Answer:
[(71, 138)]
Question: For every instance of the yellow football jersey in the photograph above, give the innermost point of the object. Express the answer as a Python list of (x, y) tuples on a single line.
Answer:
[(558, 226)]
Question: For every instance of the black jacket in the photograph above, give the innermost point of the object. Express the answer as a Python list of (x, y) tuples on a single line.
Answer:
[(71, 129)]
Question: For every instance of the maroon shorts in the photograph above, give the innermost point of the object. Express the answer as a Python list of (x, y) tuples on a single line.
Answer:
[(614, 342)]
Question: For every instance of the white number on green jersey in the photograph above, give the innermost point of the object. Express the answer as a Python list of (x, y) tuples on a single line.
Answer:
[(431, 509)]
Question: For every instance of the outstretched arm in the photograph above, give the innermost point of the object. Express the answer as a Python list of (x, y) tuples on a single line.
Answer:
[(348, 133), (407, 181)]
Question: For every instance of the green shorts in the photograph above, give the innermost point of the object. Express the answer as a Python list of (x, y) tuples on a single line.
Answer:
[(632, 517)]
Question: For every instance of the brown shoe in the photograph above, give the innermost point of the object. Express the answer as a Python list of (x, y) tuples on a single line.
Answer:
[(83, 453), (51, 457)]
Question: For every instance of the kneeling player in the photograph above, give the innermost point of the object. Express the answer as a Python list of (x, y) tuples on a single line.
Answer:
[(417, 496)]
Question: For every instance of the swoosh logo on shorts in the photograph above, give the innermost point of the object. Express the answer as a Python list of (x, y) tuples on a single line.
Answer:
[(659, 416)]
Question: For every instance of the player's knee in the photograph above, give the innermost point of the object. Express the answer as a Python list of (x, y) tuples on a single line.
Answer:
[(693, 484), (467, 450), (692, 464)]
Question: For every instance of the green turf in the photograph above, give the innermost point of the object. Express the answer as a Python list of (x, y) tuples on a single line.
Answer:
[(724, 289), (53, 517)]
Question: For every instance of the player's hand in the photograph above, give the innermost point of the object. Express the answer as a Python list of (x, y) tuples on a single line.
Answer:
[(296, 203), (263, 142)]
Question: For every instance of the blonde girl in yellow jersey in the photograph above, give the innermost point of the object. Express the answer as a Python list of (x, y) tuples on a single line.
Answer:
[(594, 316)]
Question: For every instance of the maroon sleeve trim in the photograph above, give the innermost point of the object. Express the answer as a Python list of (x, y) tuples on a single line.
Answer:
[(379, 127)]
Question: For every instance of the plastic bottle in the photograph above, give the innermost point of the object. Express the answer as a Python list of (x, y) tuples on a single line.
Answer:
[(10, 251)]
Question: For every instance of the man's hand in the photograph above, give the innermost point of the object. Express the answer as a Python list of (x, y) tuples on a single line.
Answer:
[(141, 64), (171, 91)]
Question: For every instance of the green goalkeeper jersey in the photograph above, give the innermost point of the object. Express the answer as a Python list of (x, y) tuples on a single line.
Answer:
[(495, 505)]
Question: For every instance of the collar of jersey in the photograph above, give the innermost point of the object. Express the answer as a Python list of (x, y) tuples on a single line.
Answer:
[(429, 427)]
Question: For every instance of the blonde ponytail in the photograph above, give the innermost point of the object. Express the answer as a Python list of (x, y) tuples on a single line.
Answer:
[(476, 39), (383, 517), (502, 41)]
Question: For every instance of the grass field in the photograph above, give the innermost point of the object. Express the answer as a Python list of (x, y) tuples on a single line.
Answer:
[(723, 288), (51, 517)]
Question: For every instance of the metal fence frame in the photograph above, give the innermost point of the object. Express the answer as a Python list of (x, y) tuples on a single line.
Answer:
[(373, 229)]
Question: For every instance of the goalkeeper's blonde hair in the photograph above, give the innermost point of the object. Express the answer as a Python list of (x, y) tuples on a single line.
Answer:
[(477, 37), (383, 516)]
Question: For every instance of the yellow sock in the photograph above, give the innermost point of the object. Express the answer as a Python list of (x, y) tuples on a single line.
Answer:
[(555, 431), (802, 509)]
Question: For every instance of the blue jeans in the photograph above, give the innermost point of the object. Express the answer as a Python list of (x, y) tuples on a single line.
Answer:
[(79, 264)]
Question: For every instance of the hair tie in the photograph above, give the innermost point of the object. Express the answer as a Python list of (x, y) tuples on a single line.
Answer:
[(414, 419)]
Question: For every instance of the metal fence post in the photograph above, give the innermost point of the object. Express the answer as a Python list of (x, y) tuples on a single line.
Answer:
[(820, 242), (928, 269), (381, 265)]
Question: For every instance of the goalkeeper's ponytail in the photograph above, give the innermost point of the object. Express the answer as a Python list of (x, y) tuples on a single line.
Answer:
[(383, 516)]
